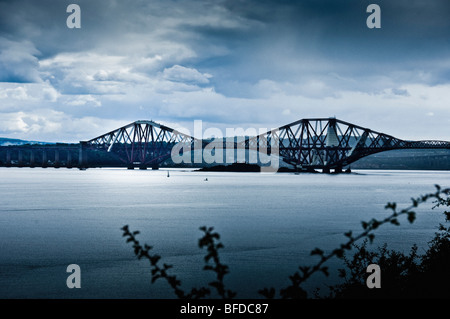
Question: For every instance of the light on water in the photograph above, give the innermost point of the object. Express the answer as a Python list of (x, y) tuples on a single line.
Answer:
[(269, 223)]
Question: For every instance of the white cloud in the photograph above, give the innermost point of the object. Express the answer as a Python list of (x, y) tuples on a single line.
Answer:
[(379, 112), (178, 73), (50, 93), (78, 100), (17, 93), (13, 95), (11, 123), (54, 126)]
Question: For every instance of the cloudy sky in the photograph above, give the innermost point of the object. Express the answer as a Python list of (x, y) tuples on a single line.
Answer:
[(229, 63)]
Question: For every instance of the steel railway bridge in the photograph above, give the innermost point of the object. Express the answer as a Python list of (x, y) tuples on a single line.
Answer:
[(308, 144)]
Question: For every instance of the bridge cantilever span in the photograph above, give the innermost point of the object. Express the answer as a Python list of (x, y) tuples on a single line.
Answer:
[(329, 143), (141, 143)]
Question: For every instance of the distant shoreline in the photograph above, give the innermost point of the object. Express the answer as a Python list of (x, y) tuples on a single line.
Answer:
[(245, 167)]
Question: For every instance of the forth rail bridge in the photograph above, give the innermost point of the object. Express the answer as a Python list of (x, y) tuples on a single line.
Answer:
[(319, 143)]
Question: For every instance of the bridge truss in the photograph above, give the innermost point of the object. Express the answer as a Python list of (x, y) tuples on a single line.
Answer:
[(320, 143)]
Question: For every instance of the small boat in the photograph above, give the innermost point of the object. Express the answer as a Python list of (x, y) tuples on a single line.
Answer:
[(168, 174)]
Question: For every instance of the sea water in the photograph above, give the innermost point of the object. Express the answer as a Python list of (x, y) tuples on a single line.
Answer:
[(268, 223)]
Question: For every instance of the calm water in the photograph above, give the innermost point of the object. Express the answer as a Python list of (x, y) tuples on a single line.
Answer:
[(50, 218)]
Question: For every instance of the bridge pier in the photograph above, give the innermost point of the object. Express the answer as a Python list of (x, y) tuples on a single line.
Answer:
[(338, 170), (82, 156), (32, 160), (20, 158), (56, 164), (69, 159), (326, 170), (44, 158), (8, 158)]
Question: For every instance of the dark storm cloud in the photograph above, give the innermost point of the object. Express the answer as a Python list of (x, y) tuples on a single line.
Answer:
[(337, 31), (259, 38), (18, 62)]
